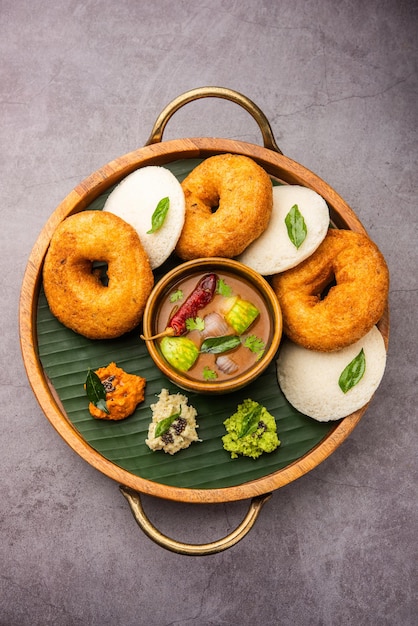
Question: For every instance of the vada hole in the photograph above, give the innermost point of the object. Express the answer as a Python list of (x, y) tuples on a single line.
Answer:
[(215, 206), (99, 268), (326, 289)]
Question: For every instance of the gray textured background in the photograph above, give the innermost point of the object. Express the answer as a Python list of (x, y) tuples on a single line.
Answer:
[(82, 83)]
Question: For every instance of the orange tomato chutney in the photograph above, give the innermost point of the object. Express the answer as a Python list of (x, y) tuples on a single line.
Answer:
[(123, 393)]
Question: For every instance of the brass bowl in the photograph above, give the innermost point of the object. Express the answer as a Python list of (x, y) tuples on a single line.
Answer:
[(198, 267)]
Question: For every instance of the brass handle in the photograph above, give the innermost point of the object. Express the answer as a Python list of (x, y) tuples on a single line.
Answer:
[(203, 549), (217, 92)]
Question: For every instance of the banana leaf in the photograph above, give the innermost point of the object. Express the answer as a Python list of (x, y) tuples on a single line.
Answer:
[(66, 358)]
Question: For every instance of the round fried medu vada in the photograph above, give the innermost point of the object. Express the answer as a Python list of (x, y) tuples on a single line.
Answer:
[(229, 201), (334, 297), (76, 292)]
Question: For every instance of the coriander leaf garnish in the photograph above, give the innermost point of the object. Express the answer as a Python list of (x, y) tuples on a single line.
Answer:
[(196, 323), (353, 373), (164, 425), (223, 289), (176, 295), (209, 374), (255, 344), (96, 393), (296, 227), (217, 345), (159, 215)]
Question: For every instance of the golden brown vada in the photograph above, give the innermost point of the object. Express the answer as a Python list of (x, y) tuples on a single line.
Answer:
[(75, 292), (229, 201), (334, 297)]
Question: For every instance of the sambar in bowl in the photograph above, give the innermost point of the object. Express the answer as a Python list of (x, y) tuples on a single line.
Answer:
[(212, 325)]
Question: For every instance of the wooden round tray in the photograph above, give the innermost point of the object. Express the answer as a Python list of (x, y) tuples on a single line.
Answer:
[(158, 152)]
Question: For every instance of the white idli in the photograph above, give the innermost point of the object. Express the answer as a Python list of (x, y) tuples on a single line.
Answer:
[(135, 200), (273, 251), (309, 379)]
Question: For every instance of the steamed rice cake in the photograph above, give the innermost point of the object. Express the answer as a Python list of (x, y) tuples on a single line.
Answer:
[(309, 379), (274, 251), (135, 200)]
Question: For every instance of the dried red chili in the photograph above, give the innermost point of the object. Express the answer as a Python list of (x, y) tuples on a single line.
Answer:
[(201, 295)]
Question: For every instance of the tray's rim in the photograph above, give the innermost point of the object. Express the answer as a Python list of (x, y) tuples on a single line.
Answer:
[(277, 165)]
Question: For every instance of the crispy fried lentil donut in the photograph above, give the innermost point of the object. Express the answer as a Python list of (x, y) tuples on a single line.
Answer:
[(228, 205), (330, 321), (76, 294)]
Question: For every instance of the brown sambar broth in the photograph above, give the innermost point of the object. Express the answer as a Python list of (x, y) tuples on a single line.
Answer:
[(242, 356)]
